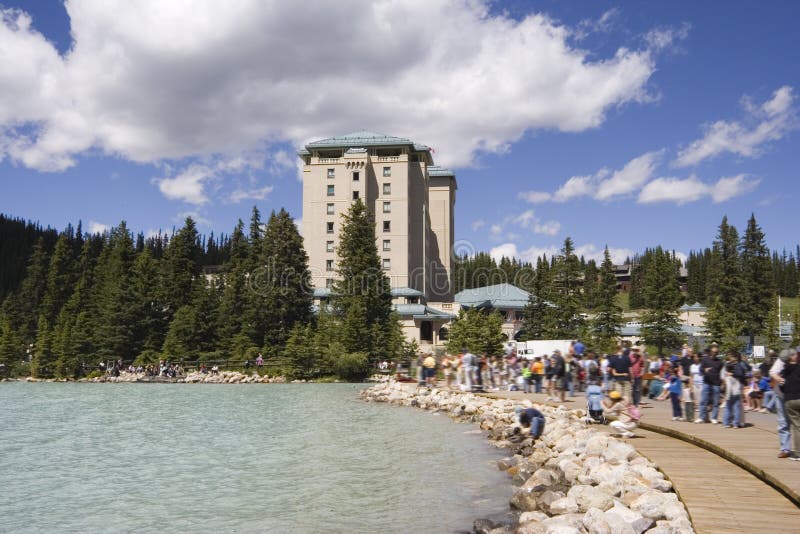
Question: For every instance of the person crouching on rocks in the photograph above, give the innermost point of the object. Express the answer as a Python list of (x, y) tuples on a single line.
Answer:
[(627, 414), (533, 419)]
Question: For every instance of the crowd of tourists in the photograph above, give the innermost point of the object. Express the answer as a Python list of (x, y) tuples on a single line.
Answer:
[(163, 368), (706, 387)]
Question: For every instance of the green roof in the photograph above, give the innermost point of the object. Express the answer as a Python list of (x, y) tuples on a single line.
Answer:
[(435, 170), (421, 311), (363, 139), (405, 292), (505, 296)]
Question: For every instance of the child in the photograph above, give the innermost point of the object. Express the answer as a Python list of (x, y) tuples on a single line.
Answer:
[(627, 415), (687, 395), (732, 417), (675, 389), (753, 393)]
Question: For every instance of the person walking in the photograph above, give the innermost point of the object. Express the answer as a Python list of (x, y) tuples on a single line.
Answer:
[(468, 361), (537, 370), (712, 367), (791, 397), (776, 372), (429, 370), (675, 390)]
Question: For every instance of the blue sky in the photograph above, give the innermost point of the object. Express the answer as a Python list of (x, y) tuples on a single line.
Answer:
[(622, 124)]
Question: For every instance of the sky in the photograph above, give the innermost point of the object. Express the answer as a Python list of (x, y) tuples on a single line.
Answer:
[(619, 124)]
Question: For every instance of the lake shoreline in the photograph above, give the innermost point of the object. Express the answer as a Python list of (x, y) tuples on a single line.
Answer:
[(575, 478)]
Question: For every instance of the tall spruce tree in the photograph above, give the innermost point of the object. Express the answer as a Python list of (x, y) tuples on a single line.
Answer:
[(608, 315), (60, 279), (234, 293), (180, 267), (662, 296), (758, 283), (284, 290), (362, 295), (567, 293), (724, 318), (28, 300), (115, 336), (479, 331), (537, 317)]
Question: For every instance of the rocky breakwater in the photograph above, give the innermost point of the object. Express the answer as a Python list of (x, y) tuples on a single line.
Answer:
[(574, 479), (223, 377)]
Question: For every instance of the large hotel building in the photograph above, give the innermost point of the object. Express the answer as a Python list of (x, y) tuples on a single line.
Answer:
[(412, 201)]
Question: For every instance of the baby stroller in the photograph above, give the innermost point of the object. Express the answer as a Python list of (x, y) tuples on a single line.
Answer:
[(594, 406)]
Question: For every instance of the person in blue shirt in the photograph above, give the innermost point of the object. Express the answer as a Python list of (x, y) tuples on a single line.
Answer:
[(674, 389), (533, 419)]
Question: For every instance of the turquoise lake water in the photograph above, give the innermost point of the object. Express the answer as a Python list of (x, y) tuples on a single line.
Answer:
[(236, 458)]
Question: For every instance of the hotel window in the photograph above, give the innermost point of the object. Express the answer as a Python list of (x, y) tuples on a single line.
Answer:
[(330, 209), (328, 265), (355, 195), (329, 283), (387, 226), (356, 176), (387, 245), (387, 189), (331, 173), (387, 264), (329, 227), (387, 171), (329, 246), (331, 191), (387, 207)]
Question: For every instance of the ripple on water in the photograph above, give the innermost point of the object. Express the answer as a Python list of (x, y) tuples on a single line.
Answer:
[(289, 458)]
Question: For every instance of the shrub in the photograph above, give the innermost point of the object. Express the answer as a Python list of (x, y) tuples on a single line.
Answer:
[(353, 366)]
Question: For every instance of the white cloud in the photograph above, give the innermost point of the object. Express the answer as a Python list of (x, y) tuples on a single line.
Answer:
[(770, 121), (604, 24), (158, 81), (525, 219), (477, 225), (507, 250), (98, 228), (534, 197), (734, 186), (661, 38), (682, 191), (547, 227), (577, 186), (188, 186), (240, 194), (496, 229), (588, 251), (630, 178)]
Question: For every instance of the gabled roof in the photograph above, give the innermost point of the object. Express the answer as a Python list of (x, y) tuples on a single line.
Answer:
[(363, 139), (405, 292), (421, 311), (504, 296)]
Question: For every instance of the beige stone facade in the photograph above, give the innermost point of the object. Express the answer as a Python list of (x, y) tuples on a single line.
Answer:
[(411, 199)]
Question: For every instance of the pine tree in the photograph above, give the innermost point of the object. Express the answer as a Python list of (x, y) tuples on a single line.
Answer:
[(234, 275), (60, 279), (758, 284), (181, 338), (591, 276), (12, 349), (567, 293), (537, 317), (42, 360), (723, 320), (116, 322), (283, 286), (362, 295), (480, 332), (148, 309), (772, 329), (608, 317), (180, 267), (796, 327), (29, 299), (662, 297)]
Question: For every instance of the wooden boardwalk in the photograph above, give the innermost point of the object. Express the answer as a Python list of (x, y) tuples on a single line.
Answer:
[(720, 495)]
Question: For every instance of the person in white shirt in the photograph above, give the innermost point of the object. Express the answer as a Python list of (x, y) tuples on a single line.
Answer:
[(784, 431)]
